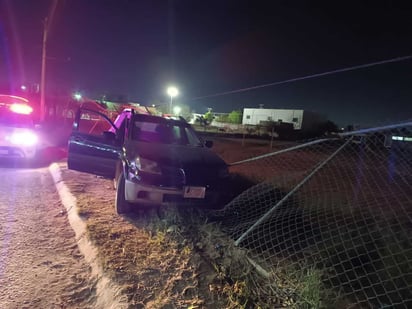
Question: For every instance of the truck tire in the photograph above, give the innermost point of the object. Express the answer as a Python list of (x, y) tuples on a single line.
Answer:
[(117, 173), (121, 205)]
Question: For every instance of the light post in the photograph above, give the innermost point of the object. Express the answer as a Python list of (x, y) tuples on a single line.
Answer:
[(47, 21), (43, 72), (172, 91)]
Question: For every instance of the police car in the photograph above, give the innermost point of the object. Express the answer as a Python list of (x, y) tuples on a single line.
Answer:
[(18, 138)]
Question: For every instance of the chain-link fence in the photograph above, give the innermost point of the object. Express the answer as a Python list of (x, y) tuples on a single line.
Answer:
[(340, 205)]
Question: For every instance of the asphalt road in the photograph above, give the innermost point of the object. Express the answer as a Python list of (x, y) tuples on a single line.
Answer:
[(40, 263)]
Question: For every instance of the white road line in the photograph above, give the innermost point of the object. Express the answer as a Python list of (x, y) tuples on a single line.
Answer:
[(108, 294)]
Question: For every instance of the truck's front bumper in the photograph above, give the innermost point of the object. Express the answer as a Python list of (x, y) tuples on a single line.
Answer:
[(138, 193)]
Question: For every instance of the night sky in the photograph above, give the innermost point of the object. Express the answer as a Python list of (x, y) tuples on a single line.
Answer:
[(137, 48)]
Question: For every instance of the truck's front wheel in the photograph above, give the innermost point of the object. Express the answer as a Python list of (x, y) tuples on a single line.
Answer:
[(117, 173), (121, 205)]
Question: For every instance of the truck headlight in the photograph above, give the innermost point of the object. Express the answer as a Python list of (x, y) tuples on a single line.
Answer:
[(26, 138), (145, 165)]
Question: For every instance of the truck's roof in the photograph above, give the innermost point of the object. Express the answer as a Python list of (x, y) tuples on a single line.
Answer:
[(159, 119)]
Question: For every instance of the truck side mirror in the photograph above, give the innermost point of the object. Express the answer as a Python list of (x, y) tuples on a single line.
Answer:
[(209, 144)]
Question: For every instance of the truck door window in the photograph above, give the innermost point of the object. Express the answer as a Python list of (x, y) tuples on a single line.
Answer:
[(93, 124)]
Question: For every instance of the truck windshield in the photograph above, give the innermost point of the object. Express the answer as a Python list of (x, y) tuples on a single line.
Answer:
[(165, 133)]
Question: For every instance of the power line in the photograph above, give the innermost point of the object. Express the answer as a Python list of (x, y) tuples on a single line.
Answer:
[(307, 77)]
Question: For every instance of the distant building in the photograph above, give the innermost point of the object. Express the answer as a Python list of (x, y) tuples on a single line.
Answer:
[(301, 119), (195, 117)]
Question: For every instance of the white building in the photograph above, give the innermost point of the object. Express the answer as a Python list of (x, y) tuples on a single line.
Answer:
[(301, 119)]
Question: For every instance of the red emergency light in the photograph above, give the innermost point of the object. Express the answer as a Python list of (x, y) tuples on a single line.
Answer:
[(19, 108)]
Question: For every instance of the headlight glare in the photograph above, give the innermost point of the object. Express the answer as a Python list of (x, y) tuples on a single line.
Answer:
[(26, 138), (145, 165)]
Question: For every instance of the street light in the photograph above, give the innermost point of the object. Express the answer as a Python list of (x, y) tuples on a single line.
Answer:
[(172, 91)]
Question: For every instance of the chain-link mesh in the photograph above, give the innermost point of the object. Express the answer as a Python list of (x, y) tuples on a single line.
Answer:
[(340, 205)]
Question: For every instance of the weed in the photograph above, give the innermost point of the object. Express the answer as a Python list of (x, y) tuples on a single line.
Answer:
[(310, 291), (158, 239)]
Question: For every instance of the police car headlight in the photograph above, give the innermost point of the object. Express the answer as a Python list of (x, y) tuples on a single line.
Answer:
[(27, 138)]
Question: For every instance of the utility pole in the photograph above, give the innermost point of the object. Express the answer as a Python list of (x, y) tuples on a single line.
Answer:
[(43, 73), (48, 20)]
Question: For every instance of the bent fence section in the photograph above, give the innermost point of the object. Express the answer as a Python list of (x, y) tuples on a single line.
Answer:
[(342, 206)]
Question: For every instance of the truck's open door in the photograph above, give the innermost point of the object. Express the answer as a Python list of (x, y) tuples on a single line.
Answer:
[(94, 144)]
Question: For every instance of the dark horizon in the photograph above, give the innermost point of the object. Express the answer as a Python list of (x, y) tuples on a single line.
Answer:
[(138, 48)]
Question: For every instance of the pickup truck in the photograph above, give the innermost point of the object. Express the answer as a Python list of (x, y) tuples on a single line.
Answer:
[(152, 160)]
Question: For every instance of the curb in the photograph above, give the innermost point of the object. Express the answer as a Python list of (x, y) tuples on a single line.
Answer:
[(107, 293)]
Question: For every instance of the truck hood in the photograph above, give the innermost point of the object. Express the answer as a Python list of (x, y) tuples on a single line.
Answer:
[(173, 155)]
